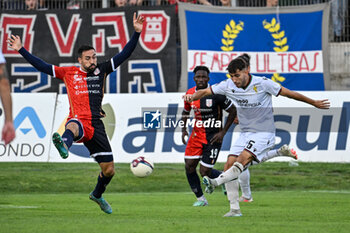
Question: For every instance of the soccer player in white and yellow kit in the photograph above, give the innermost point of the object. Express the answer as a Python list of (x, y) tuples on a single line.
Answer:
[(252, 96)]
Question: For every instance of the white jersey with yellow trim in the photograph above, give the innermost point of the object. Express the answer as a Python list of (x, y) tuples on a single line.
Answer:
[(254, 103)]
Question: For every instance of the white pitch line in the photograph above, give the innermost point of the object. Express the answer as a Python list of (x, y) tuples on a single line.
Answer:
[(18, 207), (327, 191)]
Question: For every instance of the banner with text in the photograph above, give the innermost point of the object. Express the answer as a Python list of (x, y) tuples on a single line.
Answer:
[(33, 116), (55, 37), (288, 45), (150, 127)]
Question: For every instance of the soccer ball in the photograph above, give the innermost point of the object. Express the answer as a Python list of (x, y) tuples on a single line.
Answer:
[(141, 167)]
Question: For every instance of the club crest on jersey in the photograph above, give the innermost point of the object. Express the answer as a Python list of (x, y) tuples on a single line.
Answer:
[(209, 103), (96, 71), (156, 30), (255, 89)]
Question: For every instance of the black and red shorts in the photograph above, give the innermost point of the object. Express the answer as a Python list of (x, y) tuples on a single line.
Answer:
[(94, 138), (198, 147)]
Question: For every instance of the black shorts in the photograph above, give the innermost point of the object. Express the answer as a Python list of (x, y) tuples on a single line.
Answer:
[(207, 153), (98, 145), (210, 154)]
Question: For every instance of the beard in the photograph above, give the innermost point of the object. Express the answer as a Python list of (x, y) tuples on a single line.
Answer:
[(90, 68)]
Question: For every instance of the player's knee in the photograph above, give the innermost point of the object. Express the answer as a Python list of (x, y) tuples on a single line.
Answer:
[(73, 127), (189, 168), (204, 171), (109, 171)]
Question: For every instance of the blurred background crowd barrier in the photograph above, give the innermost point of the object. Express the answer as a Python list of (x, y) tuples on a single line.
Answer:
[(339, 25), (339, 8)]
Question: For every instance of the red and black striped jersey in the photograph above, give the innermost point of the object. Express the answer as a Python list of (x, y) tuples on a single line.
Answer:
[(85, 90), (208, 108)]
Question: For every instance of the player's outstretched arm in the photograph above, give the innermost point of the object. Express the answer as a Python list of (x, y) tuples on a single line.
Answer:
[(8, 131), (16, 44), (119, 58), (322, 104), (185, 116), (5, 93), (138, 22), (232, 113), (197, 95)]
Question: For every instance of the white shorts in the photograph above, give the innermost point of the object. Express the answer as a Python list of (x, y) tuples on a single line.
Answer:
[(258, 144)]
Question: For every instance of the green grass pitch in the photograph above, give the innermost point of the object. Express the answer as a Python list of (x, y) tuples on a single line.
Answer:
[(43, 197)]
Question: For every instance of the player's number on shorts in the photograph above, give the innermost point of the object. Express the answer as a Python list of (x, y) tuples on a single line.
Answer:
[(250, 144), (214, 153)]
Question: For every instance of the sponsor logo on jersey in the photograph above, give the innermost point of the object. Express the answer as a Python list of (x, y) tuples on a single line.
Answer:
[(77, 79), (245, 103), (92, 78), (242, 101), (87, 92)]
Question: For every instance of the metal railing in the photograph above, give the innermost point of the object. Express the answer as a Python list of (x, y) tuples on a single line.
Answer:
[(51, 4)]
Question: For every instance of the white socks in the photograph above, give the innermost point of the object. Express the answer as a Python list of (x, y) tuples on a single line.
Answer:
[(232, 194), (231, 174), (202, 198), (244, 182), (270, 155)]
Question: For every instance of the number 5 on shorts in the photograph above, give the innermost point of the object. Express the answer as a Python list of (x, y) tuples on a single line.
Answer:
[(250, 144)]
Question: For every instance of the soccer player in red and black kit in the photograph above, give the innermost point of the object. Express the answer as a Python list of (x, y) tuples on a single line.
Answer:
[(204, 143), (85, 89)]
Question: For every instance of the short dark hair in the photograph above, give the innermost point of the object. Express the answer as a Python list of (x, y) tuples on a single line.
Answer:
[(239, 63), (201, 68), (84, 48)]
